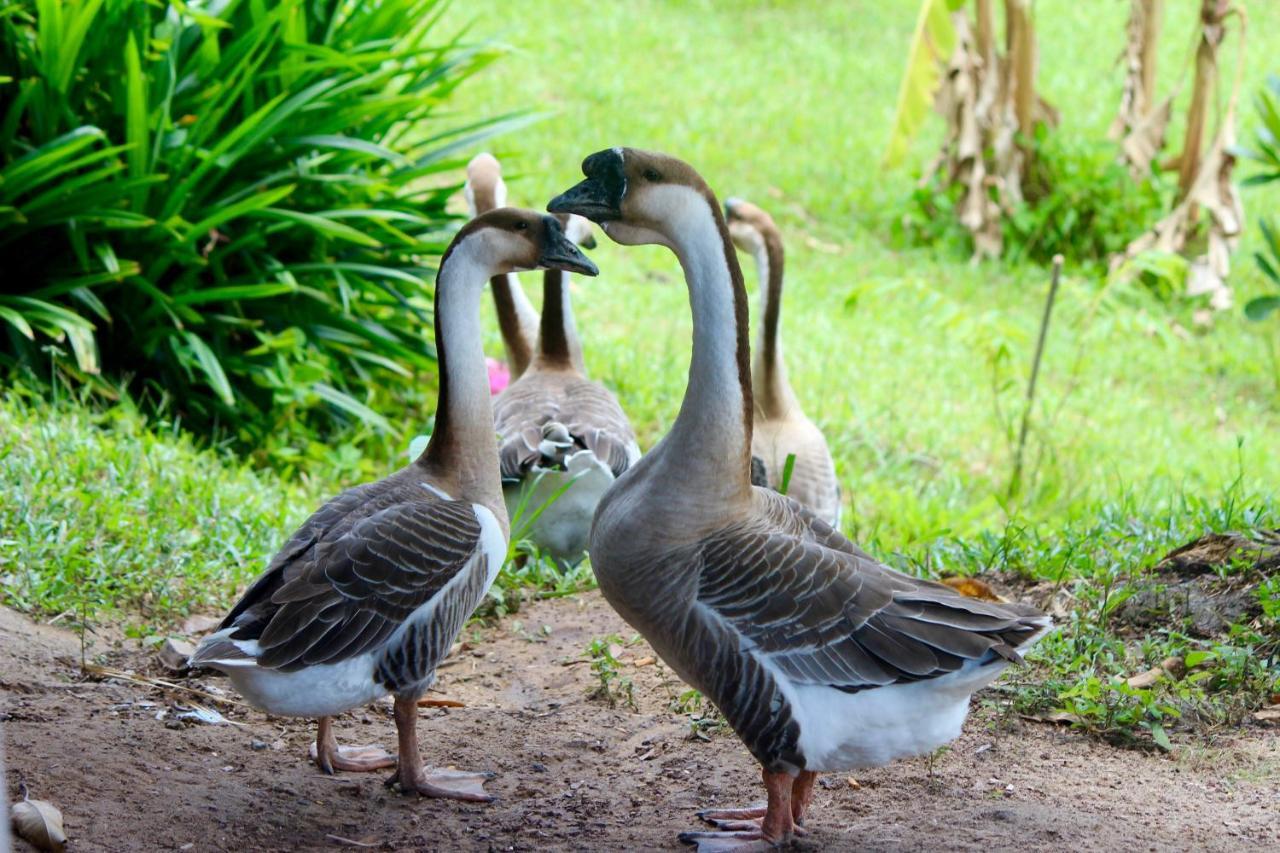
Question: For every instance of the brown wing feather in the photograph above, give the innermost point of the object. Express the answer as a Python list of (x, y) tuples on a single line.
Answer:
[(827, 615), (353, 588)]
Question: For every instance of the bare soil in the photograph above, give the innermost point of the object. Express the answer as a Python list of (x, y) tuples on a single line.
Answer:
[(572, 772)]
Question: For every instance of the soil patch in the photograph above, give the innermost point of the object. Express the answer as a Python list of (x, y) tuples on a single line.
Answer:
[(573, 773)]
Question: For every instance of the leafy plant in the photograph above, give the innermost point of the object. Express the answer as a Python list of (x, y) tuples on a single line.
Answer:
[(228, 204), (613, 686), (1266, 153)]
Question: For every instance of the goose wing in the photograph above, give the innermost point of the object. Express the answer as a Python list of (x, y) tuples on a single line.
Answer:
[(825, 616), (360, 586), (588, 411)]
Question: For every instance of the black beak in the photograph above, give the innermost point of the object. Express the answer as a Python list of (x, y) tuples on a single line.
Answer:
[(559, 253), (599, 197), (588, 242)]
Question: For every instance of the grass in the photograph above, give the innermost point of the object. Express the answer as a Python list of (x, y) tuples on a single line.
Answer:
[(103, 517), (1148, 429), (912, 361)]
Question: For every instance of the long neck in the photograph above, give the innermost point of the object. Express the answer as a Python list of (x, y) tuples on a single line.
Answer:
[(773, 395), (517, 321), (710, 442), (462, 449), (557, 334)]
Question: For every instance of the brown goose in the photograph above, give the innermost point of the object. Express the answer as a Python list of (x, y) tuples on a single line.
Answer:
[(369, 593), (780, 427), (820, 658), (562, 438), (517, 318)]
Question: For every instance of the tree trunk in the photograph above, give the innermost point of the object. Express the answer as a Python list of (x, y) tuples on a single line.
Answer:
[(1212, 13), (1020, 37)]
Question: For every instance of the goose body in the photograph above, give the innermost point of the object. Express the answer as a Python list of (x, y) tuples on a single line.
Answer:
[(367, 596), (562, 438), (781, 428), (819, 657)]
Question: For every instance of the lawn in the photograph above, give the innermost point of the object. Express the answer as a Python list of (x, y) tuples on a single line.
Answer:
[(1149, 429)]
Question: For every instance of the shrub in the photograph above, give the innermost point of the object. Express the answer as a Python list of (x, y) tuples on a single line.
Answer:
[(227, 204), (1080, 202), (1266, 154)]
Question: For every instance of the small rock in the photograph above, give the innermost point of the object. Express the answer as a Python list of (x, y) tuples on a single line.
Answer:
[(173, 723), (198, 624), (175, 653), (538, 767), (257, 745)]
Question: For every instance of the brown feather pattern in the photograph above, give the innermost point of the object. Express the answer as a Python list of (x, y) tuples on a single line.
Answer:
[(589, 411), (356, 570)]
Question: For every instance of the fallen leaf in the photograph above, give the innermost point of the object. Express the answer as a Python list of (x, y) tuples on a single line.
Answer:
[(433, 702), (973, 588), (1174, 668), (40, 823), (1058, 717), (1267, 715), (200, 714), (853, 783), (645, 661)]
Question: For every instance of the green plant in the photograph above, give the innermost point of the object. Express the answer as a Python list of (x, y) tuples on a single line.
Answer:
[(229, 206), (613, 686)]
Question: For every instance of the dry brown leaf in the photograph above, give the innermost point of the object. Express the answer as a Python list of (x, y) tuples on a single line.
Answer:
[(645, 661), (40, 823), (1267, 715), (973, 588), (853, 783), (1173, 667), (433, 702)]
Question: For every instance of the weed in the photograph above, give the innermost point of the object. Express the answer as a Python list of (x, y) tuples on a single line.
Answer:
[(613, 687)]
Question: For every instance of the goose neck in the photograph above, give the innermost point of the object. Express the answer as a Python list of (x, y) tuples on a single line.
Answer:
[(556, 329), (773, 395), (516, 318), (463, 448), (713, 428)]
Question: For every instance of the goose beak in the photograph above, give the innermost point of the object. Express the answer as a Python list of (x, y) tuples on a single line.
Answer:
[(599, 197), (730, 206), (559, 253)]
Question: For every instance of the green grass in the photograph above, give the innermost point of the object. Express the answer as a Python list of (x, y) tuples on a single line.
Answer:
[(103, 517), (912, 361)]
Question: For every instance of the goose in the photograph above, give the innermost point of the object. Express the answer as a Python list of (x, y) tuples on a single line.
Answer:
[(819, 657), (518, 321), (780, 428), (367, 596), (562, 438)]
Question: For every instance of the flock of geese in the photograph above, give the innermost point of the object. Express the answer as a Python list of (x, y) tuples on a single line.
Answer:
[(819, 657)]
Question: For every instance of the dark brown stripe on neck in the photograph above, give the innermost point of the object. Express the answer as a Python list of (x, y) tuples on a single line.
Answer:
[(509, 321), (553, 342), (443, 443), (740, 315)]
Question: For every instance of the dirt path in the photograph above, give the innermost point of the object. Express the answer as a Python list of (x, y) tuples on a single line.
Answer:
[(573, 773)]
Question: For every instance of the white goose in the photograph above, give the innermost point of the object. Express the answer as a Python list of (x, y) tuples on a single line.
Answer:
[(562, 438), (820, 658), (367, 596), (780, 427)]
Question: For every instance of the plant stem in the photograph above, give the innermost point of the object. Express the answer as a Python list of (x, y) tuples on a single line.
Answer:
[(1015, 483)]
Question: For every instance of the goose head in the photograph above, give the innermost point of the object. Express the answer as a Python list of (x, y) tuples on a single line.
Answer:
[(749, 226), (511, 239), (484, 190), (637, 197)]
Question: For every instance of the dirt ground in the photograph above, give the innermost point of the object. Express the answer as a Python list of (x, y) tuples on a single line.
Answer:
[(573, 773)]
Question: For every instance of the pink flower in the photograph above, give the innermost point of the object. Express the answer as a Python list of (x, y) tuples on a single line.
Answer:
[(499, 376)]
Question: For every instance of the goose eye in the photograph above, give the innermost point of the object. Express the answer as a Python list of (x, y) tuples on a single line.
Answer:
[(652, 175), (522, 226)]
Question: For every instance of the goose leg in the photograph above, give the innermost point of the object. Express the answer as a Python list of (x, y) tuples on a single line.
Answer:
[(412, 775), (802, 794), (329, 757), (741, 830)]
